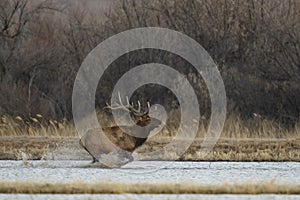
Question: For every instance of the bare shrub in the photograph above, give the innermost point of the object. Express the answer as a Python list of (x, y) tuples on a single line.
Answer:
[(255, 44)]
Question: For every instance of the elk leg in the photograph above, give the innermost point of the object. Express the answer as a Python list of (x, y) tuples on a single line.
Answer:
[(95, 160)]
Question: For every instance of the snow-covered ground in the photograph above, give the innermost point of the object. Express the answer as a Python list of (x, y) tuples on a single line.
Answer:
[(204, 173)]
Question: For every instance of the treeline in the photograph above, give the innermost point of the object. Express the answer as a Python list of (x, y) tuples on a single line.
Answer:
[(256, 44)]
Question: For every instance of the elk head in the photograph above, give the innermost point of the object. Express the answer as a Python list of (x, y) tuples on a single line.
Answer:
[(144, 124), (140, 118)]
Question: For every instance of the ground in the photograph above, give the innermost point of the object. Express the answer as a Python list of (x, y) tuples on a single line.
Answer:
[(226, 149)]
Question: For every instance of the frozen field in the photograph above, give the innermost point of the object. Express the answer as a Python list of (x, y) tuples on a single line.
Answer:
[(204, 173), (145, 172)]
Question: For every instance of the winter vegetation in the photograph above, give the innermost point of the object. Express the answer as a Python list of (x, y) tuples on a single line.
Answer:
[(254, 43)]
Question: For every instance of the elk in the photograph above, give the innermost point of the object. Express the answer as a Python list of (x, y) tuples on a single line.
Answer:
[(96, 142)]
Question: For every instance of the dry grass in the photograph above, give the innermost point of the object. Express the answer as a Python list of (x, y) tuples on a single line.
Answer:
[(258, 127), (119, 188), (35, 127), (33, 136), (253, 140), (234, 128), (11, 148), (231, 150)]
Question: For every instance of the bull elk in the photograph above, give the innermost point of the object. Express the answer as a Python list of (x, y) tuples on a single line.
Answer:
[(96, 142)]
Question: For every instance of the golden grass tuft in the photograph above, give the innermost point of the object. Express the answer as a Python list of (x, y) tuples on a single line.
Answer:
[(121, 188), (35, 127), (234, 128)]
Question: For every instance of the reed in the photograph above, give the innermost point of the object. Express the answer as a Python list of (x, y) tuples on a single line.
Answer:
[(35, 126), (255, 139)]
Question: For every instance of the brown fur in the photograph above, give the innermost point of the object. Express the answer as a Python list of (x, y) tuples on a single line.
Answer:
[(96, 142)]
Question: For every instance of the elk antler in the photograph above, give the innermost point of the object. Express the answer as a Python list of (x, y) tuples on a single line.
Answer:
[(119, 105), (129, 107)]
